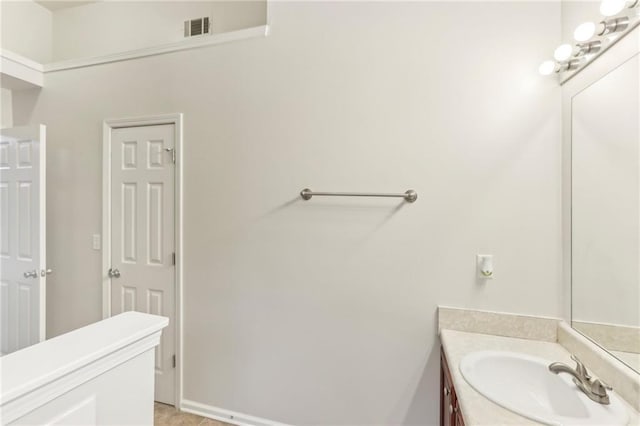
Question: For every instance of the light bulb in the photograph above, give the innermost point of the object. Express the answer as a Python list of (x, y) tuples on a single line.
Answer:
[(584, 31), (547, 68), (563, 52), (612, 7)]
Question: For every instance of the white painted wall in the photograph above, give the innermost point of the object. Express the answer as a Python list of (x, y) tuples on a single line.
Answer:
[(116, 26), (6, 108), (26, 29), (323, 312), (606, 199)]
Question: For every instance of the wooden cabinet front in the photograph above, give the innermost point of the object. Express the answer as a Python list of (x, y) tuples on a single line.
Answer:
[(450, 414)]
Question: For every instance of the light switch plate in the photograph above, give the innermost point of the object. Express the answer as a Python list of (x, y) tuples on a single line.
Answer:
[(96, 243)]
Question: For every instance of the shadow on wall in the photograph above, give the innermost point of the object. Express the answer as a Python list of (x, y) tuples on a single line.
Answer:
[(424, 395), (333, 206), (426, 390), (278, 208), (23, 107), (368, 213)]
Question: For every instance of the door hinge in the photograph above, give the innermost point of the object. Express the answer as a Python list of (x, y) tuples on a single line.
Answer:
[(173, 258), (174, 361)]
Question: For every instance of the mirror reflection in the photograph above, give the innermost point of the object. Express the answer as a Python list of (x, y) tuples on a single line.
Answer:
[(606, 212)]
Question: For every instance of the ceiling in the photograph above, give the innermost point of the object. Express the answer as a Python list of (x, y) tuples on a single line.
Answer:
[(54, 5)]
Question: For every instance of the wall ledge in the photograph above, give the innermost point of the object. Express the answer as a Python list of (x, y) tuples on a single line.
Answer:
[(37, 374), (195, 43), (14, 66), (18, 72)]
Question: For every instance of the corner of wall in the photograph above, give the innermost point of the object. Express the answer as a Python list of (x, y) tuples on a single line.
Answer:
[(36, 42), (6, 108)]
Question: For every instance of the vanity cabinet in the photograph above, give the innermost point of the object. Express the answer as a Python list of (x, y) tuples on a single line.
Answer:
[(450, 414)]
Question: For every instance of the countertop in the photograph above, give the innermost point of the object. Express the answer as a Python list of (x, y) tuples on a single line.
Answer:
[(475, 408)]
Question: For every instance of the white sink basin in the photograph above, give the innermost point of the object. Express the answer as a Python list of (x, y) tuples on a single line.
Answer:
[(524, 385)]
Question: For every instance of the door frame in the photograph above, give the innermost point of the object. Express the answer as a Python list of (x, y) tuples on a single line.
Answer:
[(152, 120), (41, 129)]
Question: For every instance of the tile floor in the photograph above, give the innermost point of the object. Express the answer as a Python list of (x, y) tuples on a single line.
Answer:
[(166, 415)]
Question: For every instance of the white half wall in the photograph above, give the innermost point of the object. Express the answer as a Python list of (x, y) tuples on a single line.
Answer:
[(26, 29), (109, 27), (324, 311)]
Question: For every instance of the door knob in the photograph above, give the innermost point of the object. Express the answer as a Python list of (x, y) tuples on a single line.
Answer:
[(114, 273), (31, 274), (45, 272)]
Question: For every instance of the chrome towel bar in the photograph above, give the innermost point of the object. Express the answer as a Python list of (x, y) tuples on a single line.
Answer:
[(409, 196)]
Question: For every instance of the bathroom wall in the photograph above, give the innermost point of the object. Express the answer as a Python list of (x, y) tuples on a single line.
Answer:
[(102, 28), (110, 27), (6, 109), (26, 29), (323, 311)]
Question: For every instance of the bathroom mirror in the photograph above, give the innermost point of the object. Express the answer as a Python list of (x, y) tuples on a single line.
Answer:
[(605, 211)]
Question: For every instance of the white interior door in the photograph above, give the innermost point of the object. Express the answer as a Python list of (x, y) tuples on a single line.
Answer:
[(143, 235), (22, 237)]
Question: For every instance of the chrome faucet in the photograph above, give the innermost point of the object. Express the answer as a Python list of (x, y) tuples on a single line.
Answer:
[(593, 388)]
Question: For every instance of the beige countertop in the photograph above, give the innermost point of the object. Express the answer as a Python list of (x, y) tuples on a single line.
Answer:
[(475, 408)]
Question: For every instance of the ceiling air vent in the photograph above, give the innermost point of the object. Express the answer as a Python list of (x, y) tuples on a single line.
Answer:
[(195, 27)]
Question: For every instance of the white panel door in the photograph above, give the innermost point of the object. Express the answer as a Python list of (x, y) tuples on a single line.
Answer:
[(142, 235), (22, 237)]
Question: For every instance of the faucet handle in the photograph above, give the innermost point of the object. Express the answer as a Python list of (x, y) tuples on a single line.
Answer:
[(580, 368), (600, 388), (600, 384)]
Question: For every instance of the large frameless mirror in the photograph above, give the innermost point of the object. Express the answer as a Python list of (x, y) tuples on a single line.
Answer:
[(605, 211)]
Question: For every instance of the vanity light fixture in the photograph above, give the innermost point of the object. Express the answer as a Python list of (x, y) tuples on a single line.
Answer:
[(563, 52), (588, 30), (552, 67), (613, 25), (585, 31), (592, 37), (589, 48), (573, 64), (548, 68), (612, 7)]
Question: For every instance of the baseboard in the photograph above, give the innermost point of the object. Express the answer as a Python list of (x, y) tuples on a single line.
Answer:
[(226, 416)]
